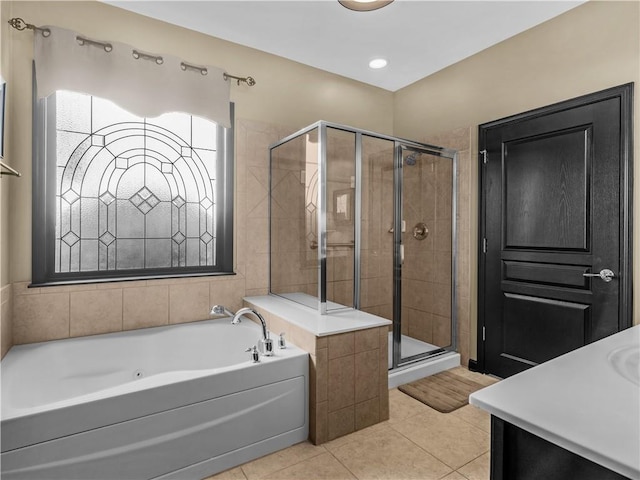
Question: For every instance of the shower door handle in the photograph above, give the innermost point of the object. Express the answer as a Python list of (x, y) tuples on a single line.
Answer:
[(401, 254), (404, 227), (605, 274)]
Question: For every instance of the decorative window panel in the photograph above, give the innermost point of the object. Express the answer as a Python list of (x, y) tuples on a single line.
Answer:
[(131, 196)]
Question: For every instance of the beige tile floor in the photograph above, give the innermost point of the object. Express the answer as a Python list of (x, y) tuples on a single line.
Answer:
[(417, 442)]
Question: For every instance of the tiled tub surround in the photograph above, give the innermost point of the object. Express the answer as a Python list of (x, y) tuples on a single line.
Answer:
[(52, 313), (348, 376), (70, 409)]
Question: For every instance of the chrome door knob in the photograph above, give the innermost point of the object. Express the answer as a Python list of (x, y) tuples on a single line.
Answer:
[(605, 274)]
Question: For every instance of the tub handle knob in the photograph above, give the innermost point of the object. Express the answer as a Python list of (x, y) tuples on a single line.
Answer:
[(255, 356), (282, 344)]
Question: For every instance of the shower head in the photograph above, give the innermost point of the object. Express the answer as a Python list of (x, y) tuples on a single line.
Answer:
[(411, 158)]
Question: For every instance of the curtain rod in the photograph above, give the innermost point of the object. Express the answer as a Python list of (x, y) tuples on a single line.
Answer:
[(20, 24), (8, 170)]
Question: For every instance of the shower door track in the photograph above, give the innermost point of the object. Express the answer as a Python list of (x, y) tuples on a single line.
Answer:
[(422, 357)]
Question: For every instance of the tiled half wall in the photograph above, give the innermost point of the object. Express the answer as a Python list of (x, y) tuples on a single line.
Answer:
[(348, 378)]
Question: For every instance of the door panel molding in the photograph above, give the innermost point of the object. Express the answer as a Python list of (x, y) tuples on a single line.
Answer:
[(565, 275), (572, 295), (531, 321), (567, 171), (524, 264)]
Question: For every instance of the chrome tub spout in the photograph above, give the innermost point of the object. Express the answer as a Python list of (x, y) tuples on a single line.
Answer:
[(265, 344)]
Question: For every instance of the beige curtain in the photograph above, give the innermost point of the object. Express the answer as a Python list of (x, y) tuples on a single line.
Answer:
[(146, 86)]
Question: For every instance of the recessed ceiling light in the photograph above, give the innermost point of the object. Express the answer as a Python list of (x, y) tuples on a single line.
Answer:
[(364, 5), (378, 63)]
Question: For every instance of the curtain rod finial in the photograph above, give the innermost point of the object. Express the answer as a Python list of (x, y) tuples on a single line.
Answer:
[(18, 23)]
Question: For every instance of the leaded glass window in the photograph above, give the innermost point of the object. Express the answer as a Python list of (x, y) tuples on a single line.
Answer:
[(130, 196)]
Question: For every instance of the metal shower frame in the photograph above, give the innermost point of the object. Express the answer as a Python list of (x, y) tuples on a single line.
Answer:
[(400, 145)]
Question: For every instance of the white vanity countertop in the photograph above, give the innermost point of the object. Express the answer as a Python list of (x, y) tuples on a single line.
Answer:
[(311, 320), (587, 401)]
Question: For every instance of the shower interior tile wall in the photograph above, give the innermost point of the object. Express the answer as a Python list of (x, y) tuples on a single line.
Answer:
[(377, 218), (49, 313), (426, 274)]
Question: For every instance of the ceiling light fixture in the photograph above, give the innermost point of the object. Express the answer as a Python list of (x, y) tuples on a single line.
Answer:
[(364, 5), (377, 63)]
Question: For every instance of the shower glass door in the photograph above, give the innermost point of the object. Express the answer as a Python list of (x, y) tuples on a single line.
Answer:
[(424, 317)]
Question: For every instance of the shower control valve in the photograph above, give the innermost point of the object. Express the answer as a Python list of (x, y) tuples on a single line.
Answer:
[(282, 344), (420, 231)]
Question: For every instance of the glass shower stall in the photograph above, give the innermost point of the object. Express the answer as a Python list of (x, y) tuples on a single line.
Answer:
[(360, 220)]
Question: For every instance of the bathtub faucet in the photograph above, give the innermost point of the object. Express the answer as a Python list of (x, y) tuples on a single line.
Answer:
[(265, 344)]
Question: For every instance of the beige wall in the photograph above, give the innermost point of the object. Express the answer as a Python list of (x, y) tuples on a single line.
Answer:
[(590, 48)]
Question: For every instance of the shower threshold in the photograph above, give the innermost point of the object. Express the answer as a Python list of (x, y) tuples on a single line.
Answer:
[(428, 366)]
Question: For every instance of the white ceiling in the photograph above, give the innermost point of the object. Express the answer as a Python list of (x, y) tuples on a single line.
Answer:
[(417, 37)]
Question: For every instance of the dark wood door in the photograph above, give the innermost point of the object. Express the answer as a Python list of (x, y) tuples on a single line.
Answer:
[(555, 209)]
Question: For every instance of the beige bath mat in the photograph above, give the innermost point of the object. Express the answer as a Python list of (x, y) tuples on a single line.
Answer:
[(445, 391)]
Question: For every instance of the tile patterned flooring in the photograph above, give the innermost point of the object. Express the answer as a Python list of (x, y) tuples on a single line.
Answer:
[(417, 442)]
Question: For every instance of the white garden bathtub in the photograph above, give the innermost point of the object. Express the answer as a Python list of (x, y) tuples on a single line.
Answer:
[(181, 401)]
